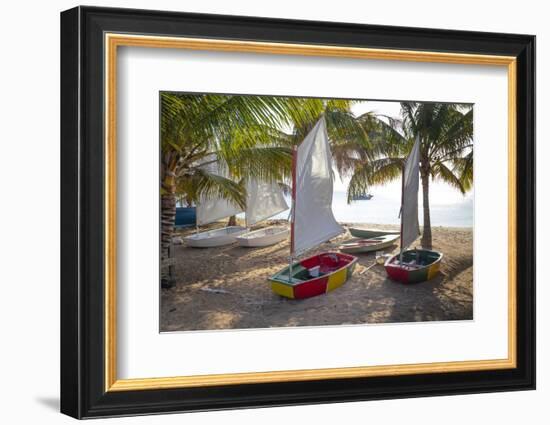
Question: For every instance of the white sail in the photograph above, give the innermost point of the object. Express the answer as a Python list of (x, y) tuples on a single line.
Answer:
[(212, 208), (313, 221), (409, 206), (263, 200)]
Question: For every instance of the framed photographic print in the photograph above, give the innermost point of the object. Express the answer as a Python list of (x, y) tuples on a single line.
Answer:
[(261, 212)]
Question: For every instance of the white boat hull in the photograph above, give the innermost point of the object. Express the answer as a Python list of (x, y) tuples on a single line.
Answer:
[(214, 238), (369, 245), (263, 237), (365, 233)]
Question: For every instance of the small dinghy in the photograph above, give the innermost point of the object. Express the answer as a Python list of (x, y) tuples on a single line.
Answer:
[(363, 233), (263, 237), (314, 275), (210, 209), (213, 238), (263, 200), (416, 265), (368, 245), (413, 265), (312, 223)]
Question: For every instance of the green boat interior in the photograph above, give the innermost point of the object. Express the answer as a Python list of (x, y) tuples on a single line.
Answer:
[(418, 258), (299, 274)]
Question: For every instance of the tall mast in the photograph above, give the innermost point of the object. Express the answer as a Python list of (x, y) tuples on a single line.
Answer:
[(292, 212), (293, 195), (401, 213)]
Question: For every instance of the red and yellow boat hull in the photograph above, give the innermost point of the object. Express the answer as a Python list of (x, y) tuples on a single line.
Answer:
[(335, 268), (418, 265)]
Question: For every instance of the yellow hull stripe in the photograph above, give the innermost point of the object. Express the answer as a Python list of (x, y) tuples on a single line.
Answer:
[(337, 279), (433, 270), (283, 290)]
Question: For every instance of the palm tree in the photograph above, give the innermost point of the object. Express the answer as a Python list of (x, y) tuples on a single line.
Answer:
[(446, 151), (250, 136), (240, 132)]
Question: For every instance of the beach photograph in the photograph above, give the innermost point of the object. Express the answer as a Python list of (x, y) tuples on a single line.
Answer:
[(299, 211)]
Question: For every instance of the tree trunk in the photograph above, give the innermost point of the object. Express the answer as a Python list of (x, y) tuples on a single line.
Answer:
[(167, 219), (427, 231), (232, 221)]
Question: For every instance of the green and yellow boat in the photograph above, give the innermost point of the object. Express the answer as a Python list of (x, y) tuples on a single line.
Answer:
[(414, 265)]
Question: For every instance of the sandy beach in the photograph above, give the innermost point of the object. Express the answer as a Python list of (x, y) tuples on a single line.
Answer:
[(227, 288)]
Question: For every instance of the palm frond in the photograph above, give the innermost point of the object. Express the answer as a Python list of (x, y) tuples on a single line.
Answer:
[(464, 168), (455, 134), (268, 163), (372, 173), (201, 183), (442, 172)]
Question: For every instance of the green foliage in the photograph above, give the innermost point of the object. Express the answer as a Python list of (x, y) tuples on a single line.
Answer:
[(202, 183), (446, 152), (249, 136), (252, 137)]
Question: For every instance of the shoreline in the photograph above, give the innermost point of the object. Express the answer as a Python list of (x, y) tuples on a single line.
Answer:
[(278, 222)]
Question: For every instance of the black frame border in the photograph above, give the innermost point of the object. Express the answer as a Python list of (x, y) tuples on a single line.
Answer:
[(82, 212)]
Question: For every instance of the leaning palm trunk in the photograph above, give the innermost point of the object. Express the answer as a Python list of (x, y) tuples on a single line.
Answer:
[(427, 230), (167, 213), (168, 218)]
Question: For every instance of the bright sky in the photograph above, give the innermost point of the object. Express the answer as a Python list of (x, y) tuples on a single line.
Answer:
[(440, 193), (391, 109)]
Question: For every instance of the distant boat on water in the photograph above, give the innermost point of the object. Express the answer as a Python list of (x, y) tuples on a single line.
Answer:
[(364, 197)]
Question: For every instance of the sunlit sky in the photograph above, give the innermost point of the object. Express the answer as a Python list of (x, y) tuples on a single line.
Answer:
[(440, 193)]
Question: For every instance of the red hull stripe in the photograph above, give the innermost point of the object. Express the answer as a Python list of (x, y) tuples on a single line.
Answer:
[(397, 273), (311, 288)]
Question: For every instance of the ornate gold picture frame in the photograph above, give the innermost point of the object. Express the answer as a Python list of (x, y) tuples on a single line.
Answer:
[(91, 39)]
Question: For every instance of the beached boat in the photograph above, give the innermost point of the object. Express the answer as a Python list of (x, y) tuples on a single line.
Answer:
[(314, 275), (210, 209), (263, 200), (364, 233), (364, 197), (216, 237), (312, 223), (368, 245), (413, 265), (264, 237)]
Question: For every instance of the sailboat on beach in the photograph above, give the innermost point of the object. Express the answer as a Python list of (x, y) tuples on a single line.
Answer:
[(263, 200), (368, 245), (210, 209), (312, 223), (413, 265)]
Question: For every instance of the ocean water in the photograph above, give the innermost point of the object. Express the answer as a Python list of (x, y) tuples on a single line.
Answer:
[(384, 209), (446, 208)]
